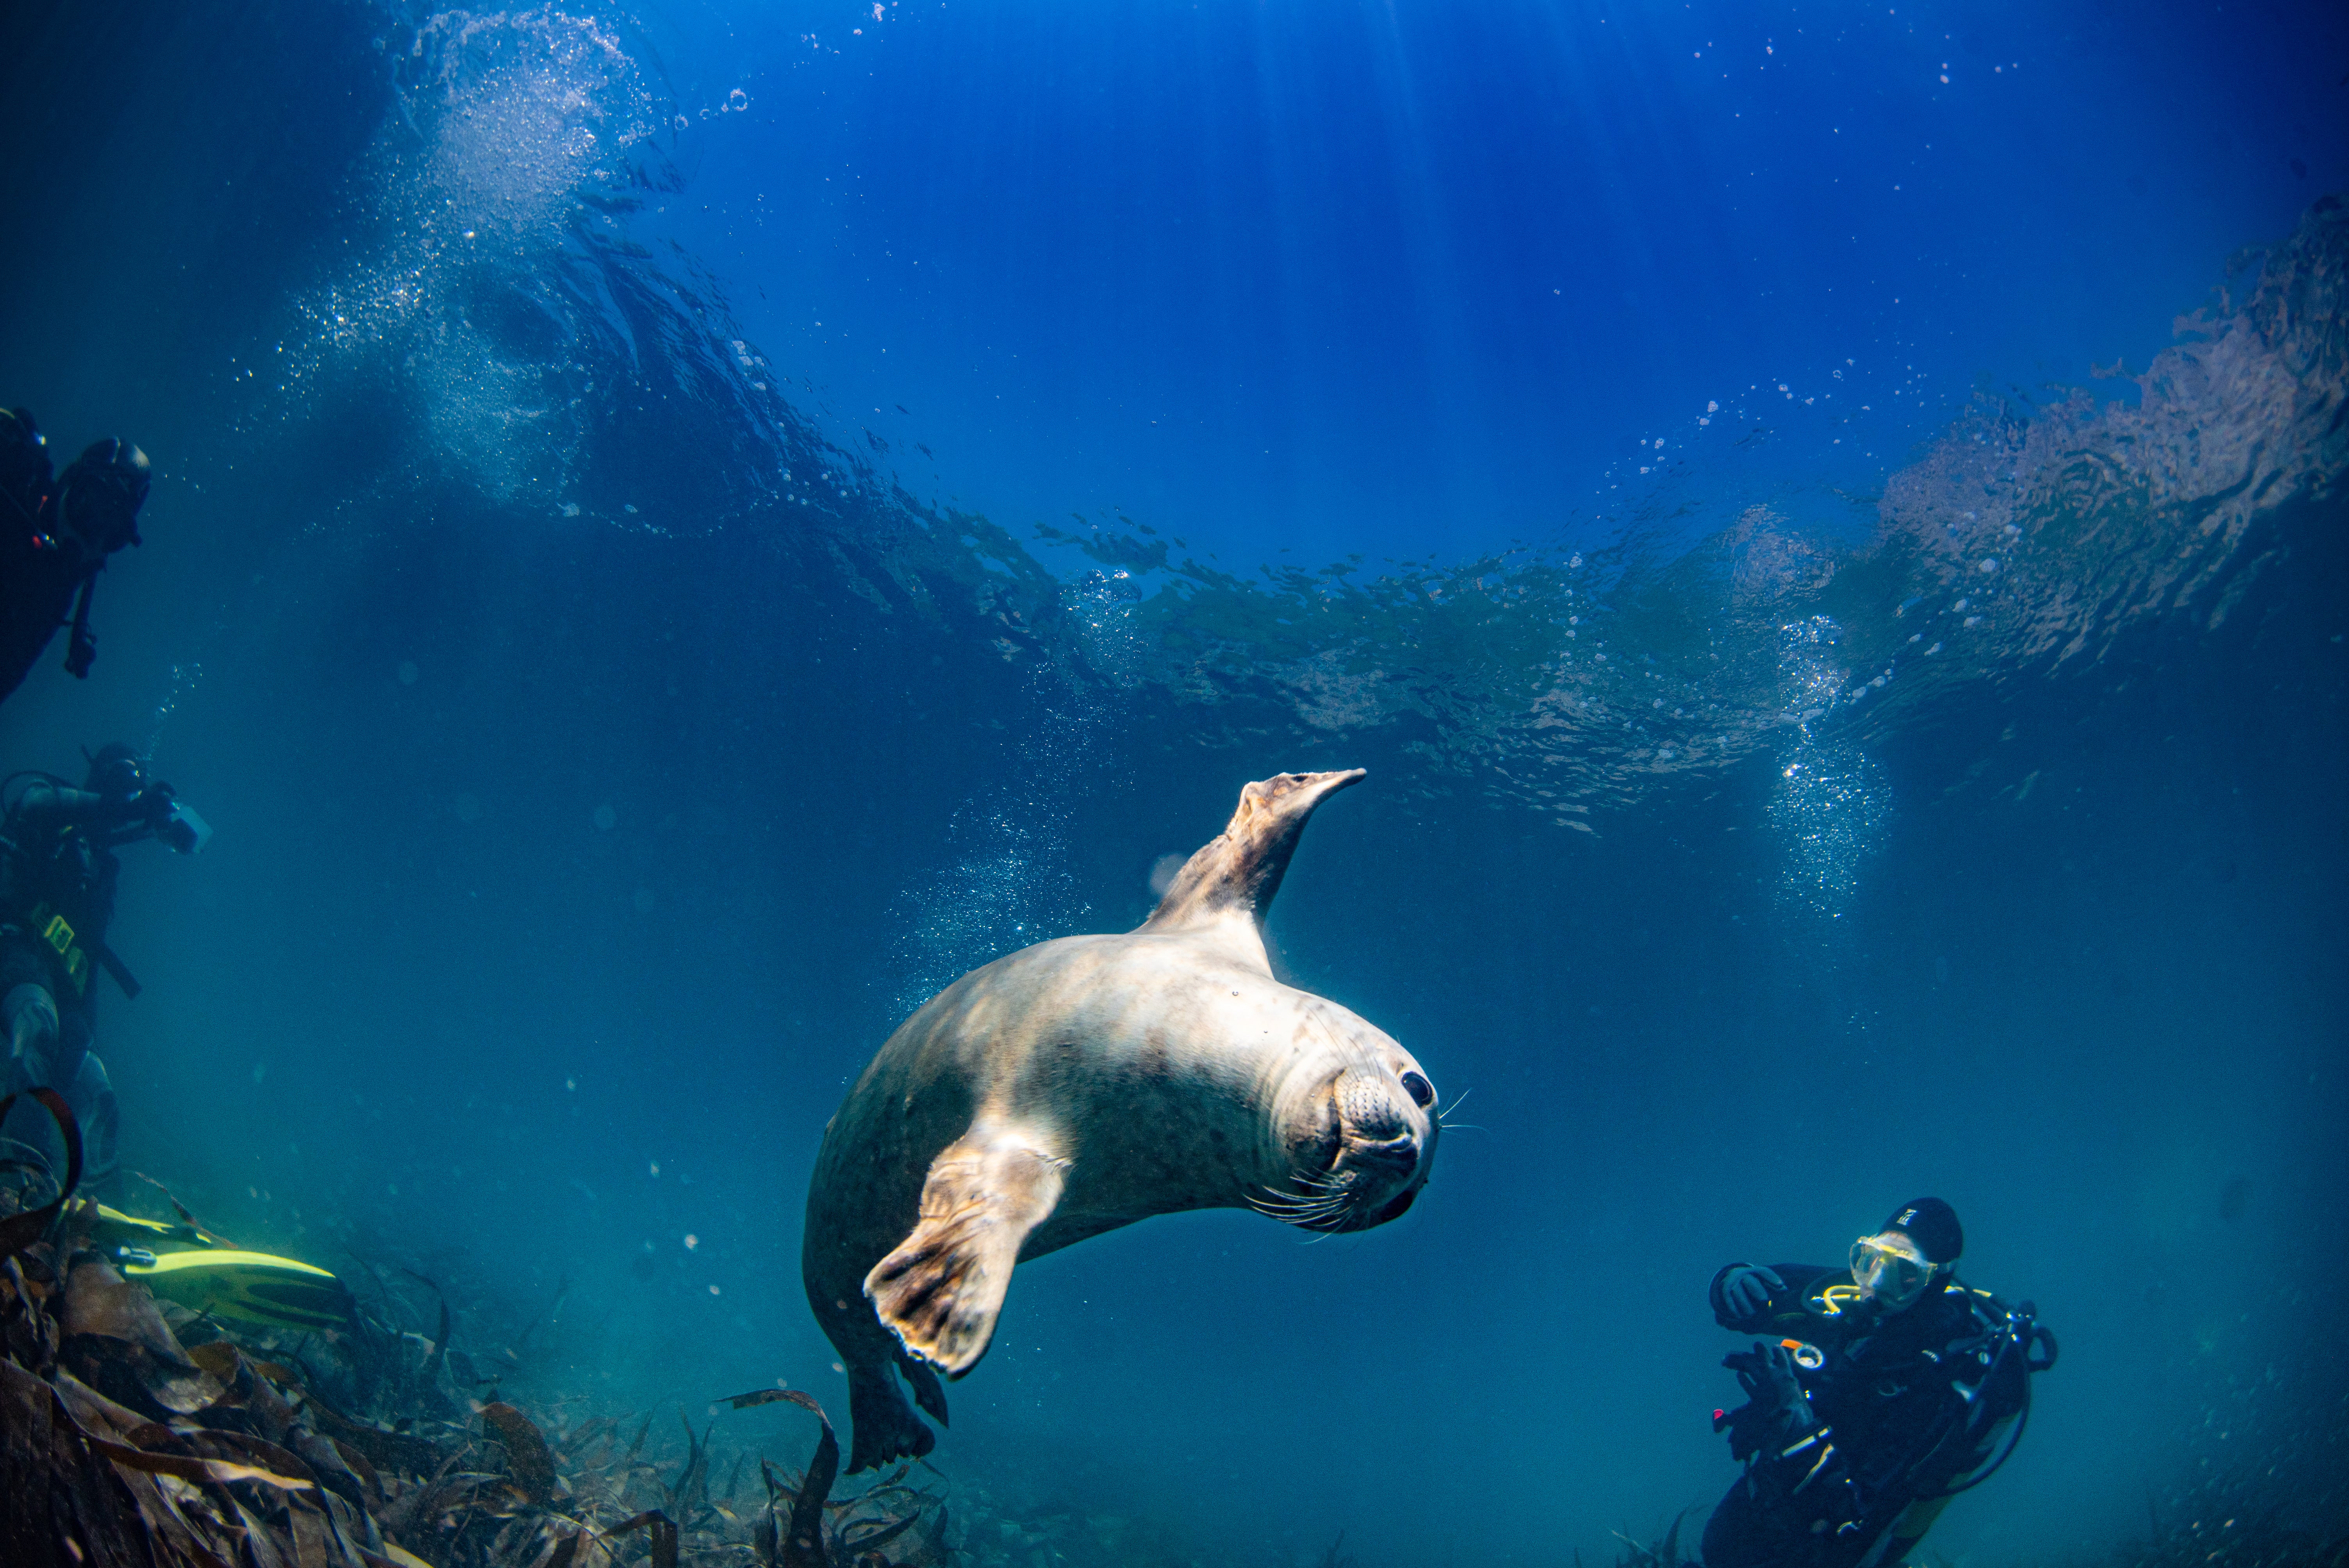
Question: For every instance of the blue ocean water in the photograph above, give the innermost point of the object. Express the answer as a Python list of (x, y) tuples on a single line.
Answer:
[(680, 531)]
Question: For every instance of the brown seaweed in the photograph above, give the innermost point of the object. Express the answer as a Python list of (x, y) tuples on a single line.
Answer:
[(440, 1353), (123, 1446), (115, 1338), (694, 1479), (528, 1460), (757, 1396), (196, 1231), (664, 1535), (802, 1541)]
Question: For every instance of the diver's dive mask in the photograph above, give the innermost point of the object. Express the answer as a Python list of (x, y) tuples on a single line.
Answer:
[(100, 492), (116, 773), (1887, 1275)]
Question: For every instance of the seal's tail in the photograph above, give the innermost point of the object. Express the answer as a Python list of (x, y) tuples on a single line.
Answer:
[(1238, 872)]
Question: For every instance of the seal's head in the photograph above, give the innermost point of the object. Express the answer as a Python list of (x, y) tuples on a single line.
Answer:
[(1359, 1128)]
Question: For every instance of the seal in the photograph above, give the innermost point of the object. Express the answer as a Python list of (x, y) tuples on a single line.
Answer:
[(1081, 1085)]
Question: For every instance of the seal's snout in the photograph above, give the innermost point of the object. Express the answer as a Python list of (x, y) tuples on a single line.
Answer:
[(1360, 1132), (1388, 1133), (1401, 1153), (1372, 1112), (1383, 1113)]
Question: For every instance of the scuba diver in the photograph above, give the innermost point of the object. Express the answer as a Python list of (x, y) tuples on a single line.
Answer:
[(54, 538), (57, 873), (1876, 1394)]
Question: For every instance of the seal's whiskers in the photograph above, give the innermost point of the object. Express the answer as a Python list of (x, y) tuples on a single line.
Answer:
[(1453, 1110), (1312, 1211)]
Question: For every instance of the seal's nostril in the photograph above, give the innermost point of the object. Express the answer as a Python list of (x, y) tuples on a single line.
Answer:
[(1403, 1150)]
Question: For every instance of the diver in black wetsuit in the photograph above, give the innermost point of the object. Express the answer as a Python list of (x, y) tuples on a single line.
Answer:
[(1876, 1394), (57, 872), (54, 538)]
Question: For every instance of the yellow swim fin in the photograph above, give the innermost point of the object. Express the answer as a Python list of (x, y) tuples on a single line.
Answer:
[(114, 1225), (251, 1287)]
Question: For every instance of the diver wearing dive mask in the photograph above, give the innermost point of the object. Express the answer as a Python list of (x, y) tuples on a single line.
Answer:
[(58, 874), (1876, 1393), (56, 535), (1889, 1270)]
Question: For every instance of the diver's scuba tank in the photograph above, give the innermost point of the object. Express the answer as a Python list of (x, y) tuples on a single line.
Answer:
[(1983, 1424), (1878, 1516)]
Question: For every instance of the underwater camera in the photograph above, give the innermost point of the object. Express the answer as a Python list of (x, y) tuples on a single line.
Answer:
[(183, 830)]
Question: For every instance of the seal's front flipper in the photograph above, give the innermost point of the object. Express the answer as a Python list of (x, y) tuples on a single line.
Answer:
[(1235, 875), (939, 1292), (883, 1426)]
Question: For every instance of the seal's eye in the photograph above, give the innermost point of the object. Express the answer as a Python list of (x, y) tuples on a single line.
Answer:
[(1421, 1092)]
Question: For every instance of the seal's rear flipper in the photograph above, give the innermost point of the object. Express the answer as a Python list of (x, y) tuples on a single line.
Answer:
[(1237, 873), (884, 1427), (928, 1394), (939, 1292)]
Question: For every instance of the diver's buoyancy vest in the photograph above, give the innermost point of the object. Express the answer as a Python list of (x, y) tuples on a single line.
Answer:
[(25, 472), (1963, 1372), (61, 897)]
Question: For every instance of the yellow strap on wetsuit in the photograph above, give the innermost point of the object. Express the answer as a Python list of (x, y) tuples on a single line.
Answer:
[(55, 930)]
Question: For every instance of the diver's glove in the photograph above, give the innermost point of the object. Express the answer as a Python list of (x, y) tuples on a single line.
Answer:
[(1782, 1384), (1804, 1466), (1768, 1374), (154, 805), (1777, 1411), (1747, 1288)]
